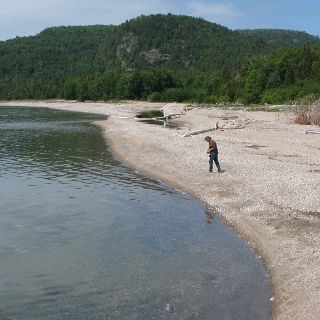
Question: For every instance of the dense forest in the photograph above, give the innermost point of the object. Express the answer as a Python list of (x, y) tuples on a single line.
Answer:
[(161, 58), (279, 38)]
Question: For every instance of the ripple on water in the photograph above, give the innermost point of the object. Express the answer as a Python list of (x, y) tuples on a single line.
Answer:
[(82, 237)]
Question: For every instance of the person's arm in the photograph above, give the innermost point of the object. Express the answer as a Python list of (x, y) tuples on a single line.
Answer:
[(212, 146)]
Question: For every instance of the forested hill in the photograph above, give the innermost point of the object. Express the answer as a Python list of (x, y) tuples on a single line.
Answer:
[(156, 57), (175, 42), (282, 38), (182, 42)]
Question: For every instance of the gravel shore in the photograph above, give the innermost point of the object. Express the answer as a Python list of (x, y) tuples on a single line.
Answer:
[(269, 191)]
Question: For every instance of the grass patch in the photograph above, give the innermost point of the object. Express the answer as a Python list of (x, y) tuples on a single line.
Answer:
[(308, 114)]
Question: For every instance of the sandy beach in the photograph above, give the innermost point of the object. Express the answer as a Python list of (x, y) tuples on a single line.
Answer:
[(269, 191)]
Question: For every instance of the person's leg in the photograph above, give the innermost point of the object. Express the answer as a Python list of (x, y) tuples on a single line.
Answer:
[(216, 161), (210, 162)]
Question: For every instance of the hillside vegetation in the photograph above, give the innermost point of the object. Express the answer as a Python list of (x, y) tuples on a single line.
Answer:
[(160, 58), (282, 38)]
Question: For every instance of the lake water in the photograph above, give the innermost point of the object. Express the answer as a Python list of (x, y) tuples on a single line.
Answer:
[(83, 237)]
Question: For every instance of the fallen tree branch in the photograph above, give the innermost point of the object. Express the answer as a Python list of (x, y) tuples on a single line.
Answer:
[(174, 114), (194, 133), (120, 117), (230, 128), (312, 131)]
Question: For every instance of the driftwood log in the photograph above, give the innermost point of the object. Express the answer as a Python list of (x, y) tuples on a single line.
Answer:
[(194, 133), (223, 127), (312, 132), (120, 117), (174, 114)]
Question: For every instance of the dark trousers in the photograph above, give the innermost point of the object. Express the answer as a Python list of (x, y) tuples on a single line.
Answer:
[(214, 157)]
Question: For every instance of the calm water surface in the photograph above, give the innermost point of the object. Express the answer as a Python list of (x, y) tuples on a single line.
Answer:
[(82, 237)]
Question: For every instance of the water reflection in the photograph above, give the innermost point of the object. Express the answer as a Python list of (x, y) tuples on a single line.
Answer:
[(82, 237), (67, 151), (210, 215)]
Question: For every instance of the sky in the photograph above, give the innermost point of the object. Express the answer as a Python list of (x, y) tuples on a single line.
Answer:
[(29, 17)]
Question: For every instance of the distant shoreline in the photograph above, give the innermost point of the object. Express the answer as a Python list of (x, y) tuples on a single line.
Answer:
[(269, 192)]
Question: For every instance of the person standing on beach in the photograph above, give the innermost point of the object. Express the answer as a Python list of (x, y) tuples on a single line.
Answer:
[(213, 154)]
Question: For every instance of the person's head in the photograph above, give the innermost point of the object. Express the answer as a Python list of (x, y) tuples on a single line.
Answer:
[(207, 138)]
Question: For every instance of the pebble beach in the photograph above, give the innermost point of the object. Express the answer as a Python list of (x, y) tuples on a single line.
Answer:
[(268, 193)]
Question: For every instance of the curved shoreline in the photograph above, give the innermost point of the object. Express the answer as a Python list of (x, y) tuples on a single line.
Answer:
[(268, 193)]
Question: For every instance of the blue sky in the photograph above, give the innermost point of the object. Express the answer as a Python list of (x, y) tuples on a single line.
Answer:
[(28, 17)]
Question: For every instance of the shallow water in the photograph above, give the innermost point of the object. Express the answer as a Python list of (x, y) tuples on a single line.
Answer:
[(169, 124), (82, 237)]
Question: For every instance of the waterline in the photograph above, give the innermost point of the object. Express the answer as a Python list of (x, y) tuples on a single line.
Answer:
[(83, 237)]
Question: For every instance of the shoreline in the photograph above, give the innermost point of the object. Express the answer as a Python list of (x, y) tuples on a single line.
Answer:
[(268, 193)]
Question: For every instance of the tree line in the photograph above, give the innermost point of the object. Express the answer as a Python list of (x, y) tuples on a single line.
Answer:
[(282, 76)]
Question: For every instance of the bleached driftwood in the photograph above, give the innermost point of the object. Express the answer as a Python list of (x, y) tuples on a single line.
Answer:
[(194, 133), (170, 115), (235, 127), (223, 127), (166, 116), (174, 114), (312, 131), (120, 117)]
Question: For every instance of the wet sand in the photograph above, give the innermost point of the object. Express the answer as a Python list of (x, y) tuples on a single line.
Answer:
[(268, 193)]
